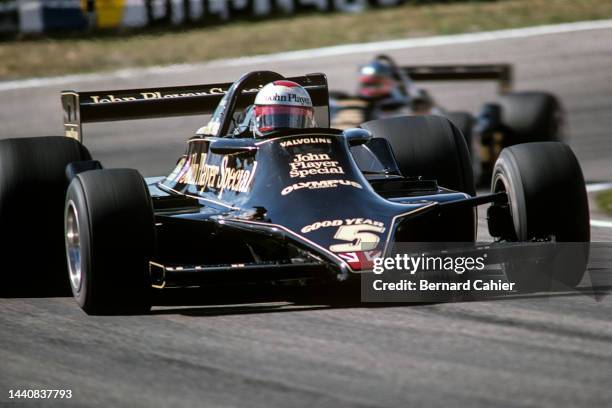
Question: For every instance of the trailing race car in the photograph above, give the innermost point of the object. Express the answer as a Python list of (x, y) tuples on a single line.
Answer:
[(388, 90), (251, 202)]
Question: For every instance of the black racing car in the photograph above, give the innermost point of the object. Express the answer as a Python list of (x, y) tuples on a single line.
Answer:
[(515, 117), (235, 210)]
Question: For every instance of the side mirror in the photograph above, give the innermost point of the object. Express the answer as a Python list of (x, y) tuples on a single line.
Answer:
[(357, 136)]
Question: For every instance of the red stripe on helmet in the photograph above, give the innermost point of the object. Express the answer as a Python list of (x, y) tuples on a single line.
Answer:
[(288, 84)]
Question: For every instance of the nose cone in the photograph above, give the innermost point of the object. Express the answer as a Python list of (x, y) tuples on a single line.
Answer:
[(355, 233)]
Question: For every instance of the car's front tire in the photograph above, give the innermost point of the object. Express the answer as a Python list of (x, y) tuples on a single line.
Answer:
[(547, 201), (109, 239)]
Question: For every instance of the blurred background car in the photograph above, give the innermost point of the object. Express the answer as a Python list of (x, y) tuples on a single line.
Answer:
[(386, 89)]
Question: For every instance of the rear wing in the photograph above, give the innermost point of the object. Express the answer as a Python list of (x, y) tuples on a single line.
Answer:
[(501, 73), (128, 104)]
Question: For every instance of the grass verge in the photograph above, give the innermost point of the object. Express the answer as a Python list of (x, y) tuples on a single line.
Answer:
[(47, 57), (604, 201)]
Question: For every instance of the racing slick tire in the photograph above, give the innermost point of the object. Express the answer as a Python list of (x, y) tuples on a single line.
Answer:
[(428, 146), (110, 238), (32, 191), (532, 117), (547, 201), (465, 122)]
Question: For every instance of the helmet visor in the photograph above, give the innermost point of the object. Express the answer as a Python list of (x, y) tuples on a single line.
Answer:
[(272, 117)]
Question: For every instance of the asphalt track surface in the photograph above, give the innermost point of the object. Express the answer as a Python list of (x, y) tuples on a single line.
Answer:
[(529, 350)]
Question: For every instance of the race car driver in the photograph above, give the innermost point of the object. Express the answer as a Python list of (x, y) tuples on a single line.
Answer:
[(392, 93), (377, 80), (282, 104)]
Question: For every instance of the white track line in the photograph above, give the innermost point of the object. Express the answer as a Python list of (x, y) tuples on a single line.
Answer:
[(595, 187), (600, 223), (315, 53)]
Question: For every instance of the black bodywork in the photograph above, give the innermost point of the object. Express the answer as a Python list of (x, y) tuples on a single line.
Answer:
[(296, 205)]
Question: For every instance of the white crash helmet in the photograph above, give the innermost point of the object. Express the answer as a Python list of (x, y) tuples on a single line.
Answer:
[(282, 104)]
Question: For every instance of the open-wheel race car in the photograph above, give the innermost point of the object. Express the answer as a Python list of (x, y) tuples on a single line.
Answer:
[(386, 89), (301, 205)]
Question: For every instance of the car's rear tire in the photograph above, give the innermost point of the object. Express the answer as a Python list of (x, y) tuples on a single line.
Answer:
[(428, 146), (110, 238), (547, 200), (32, 191), (532, 117), (432, 147)]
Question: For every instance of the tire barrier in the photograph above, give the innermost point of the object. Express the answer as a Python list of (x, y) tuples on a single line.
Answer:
[(35, 16)]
